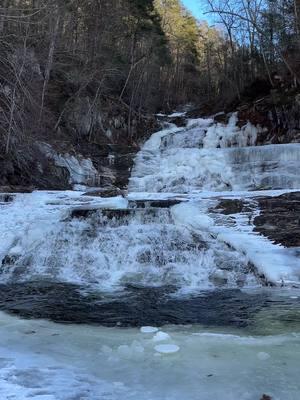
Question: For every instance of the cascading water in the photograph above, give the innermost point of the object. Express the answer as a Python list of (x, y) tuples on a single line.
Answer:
[(108, 249), (179, 253), (200, 158)]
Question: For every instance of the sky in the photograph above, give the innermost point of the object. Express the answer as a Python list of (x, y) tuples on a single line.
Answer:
[(195, 7)]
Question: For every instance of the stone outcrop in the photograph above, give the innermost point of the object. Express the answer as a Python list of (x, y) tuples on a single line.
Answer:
[(279, 219)]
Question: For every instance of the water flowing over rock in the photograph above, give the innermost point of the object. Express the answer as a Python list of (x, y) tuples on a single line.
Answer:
[(198, 264), (169, 232)]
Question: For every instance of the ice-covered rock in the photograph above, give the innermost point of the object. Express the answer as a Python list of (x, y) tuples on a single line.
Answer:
[(228, 135)]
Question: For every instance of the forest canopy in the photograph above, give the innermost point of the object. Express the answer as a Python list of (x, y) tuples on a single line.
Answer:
[(147, 55)]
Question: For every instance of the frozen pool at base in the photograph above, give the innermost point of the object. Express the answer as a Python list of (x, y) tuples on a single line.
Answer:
[(41, 360)]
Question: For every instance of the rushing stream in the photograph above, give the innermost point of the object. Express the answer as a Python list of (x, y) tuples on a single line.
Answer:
[(171, 293)]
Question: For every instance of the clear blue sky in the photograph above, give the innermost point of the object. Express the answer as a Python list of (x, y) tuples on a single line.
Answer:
[(195, 7)]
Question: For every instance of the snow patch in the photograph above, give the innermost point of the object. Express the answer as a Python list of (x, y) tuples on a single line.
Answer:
[(149, 329)]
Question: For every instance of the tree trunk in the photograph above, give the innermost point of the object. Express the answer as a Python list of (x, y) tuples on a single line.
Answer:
[(297, 17), (56, 17), (3, 13)]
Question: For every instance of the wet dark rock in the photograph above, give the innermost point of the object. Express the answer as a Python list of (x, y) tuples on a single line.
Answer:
[(52, 177), (222, 118), (113, 214), (279, 219), (112, 191), (16, 189), (179, 121), (232, 206), (110, 214), (154, 203), (116, 214), (114, 164), (266, 397), (33, 170), (83, 212), (6, 198), (123, 166), (9, 260)]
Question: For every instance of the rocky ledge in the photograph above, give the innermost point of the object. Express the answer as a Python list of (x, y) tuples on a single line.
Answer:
[(279, 219)]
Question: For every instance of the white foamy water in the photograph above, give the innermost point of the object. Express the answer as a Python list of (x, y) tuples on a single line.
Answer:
[(110, 249)]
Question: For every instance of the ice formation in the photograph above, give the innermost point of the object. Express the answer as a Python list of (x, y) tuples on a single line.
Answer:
[(107, 244), (179, 163), (209, 159), (222, 136), (81, 170), (167, 348), (186, 160)]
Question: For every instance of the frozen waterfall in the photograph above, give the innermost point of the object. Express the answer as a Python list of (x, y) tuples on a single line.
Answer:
[(182, 161), (163, 294)]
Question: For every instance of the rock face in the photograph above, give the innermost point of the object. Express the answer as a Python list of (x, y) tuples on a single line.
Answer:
[(38, 169), (79, 123), (110, 191), (231, 206), (266, 397), (276, 109), (6, 198), (280, 219)]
